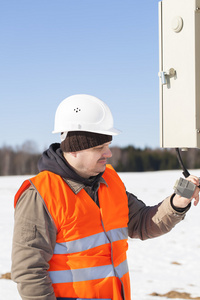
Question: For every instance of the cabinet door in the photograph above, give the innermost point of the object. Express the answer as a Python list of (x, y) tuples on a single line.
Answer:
[(179, 48)]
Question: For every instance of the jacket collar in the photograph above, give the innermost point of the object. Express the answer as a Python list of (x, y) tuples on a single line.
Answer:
[(76, 187)]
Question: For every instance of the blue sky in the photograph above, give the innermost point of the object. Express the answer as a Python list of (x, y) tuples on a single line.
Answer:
[(51, 49)]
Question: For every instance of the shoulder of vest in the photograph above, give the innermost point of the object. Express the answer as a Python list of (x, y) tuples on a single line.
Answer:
[(108, 166), (45, 174), (32, 181), (25, 185), (110, 171), (111, 174)]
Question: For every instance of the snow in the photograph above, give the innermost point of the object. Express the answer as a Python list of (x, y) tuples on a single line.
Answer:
[(170, 262)]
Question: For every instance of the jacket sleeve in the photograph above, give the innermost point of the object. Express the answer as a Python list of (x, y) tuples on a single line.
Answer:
[(152, 221), (34, 239)]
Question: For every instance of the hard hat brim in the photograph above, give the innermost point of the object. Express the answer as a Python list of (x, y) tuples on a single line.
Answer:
[(111, 131)]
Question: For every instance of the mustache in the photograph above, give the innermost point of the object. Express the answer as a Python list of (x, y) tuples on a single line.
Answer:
[(102, 159)]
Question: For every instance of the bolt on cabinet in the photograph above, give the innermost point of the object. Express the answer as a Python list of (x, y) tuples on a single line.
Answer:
[(179, 72)]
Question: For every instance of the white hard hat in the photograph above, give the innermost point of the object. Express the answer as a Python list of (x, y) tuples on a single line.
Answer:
[(84, 113)]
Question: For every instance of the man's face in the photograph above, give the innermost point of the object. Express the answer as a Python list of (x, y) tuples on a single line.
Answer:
[(92, 161)]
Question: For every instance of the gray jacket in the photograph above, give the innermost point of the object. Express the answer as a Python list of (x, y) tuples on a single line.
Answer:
[(34, 235)]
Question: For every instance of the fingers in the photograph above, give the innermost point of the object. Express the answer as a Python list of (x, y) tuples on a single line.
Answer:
[(196, 200), (196, 196), (193, 179)]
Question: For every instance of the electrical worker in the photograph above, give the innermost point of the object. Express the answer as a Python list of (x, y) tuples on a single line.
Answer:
[(73, 219)]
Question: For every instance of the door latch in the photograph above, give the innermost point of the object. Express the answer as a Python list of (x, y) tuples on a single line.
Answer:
[(164, 75)]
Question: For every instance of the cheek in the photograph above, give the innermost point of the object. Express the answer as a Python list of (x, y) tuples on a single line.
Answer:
[(91, 160)]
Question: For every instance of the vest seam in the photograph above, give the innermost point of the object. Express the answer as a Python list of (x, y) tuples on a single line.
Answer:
[(115, 271)]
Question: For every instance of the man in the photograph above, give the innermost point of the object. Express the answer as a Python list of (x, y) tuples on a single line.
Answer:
[(73, 219)]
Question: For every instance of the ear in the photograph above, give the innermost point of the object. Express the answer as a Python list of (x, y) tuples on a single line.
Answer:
[(69, 155), (74, 154)]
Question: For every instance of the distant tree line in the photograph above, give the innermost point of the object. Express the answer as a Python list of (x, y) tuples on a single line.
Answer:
[(131, 159), (23, 160), (19, 161)]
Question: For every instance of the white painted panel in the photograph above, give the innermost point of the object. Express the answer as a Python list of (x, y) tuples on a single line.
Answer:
[(179, 39)]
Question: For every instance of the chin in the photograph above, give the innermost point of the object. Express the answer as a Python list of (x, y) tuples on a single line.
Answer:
[(102, 168), (98, 170)]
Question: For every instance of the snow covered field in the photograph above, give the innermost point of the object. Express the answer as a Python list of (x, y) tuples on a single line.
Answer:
[(170, 262)]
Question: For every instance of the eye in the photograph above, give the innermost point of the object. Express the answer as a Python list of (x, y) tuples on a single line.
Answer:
[(98, 148)]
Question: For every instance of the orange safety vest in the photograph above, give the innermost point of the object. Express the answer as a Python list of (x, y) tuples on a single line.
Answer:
[(89, 259)]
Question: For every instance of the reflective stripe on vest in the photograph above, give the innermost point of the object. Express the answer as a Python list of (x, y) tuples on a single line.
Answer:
[(88, 273), (91, 241)]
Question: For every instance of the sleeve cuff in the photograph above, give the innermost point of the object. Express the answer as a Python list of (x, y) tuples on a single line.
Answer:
[(179, 209)]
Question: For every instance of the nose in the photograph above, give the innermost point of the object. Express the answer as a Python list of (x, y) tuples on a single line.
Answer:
[(107, 153)]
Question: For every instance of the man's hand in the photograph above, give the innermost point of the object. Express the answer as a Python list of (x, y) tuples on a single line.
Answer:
[(182, 202)]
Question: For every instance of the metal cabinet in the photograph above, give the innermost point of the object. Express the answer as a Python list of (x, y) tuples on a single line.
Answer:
[(179, 72)]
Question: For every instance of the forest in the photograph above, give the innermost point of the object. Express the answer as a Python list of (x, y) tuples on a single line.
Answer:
[(23, 160)]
